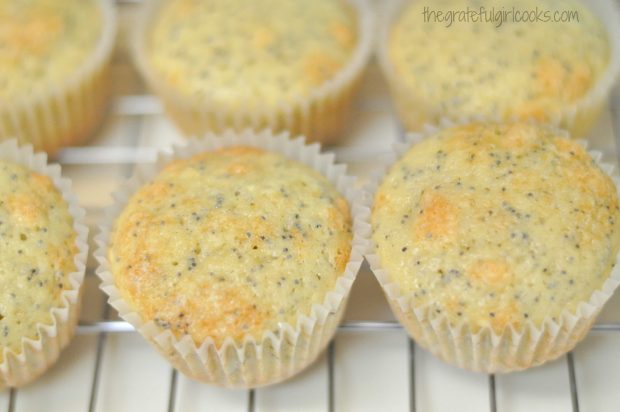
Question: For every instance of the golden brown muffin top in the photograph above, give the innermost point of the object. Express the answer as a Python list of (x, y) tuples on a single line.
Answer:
[(496, 224), (229, 243)]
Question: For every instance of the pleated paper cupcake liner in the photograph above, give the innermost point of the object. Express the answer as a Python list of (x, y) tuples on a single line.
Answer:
[(276, 355), (414, 111), (321, 116), (37, 355), (484, 350), (68, 112)]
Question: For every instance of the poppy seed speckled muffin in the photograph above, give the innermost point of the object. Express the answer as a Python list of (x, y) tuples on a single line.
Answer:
[(551, 71), (42, 254), (235, 246), (496, 230), (220, 63), (230, 243)]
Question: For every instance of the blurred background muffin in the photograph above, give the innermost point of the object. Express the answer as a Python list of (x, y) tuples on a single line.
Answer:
[(280, 64), (495, 243), (54, 57), (552, 71)]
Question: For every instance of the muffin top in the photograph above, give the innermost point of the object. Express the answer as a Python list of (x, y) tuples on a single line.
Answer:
[(37, 250), (230, 242), (250, 52), (42, 42), (503, 68), (496, 224)]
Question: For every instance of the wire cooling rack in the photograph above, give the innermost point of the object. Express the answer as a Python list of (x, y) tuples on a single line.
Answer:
[(117, 148), (104, 327)]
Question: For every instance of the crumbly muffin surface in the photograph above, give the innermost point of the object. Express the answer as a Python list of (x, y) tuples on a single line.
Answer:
[(251, 52), (518, 69), (37, 250), (495, 225), (230, 242), (42, 42)]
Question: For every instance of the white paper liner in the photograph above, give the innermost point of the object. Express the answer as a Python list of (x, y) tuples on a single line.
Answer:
[(321, 116), (486, 351), (578, 118), (37, 355), (67, 112), (275, 356)]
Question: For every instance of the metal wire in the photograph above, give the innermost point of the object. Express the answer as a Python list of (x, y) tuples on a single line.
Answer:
[(331, 358), (172, 393), (12, 400), (572, 381), (116, 326), (251, 400), (412, 399), (492, 394), (94, 388)]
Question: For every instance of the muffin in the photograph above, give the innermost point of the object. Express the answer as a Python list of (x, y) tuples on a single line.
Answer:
[(234, 260), (54, 57), (221, 64), (549, 71), (496, 243), (41, 264)]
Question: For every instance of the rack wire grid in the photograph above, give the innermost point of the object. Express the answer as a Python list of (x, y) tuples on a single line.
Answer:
[(371, 364)]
